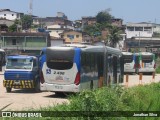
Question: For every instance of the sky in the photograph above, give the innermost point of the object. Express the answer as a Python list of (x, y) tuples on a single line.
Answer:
[(129, 10)]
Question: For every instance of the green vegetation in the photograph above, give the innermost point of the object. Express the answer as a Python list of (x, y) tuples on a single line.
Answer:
[(104, 23), (158, 69), (140, 98)]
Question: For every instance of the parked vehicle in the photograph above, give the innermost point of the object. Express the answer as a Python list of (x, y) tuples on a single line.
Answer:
[(21, 71), (2, 58), (146, 62), (129, 62), (73, 68)]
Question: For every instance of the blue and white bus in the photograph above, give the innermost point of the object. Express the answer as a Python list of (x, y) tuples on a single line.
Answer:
[(73, 68), (129, 62)]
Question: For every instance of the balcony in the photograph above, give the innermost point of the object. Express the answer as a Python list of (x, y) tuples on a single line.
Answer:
[(20, 47)]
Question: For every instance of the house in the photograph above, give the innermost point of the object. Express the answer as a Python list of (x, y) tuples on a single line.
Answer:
[(56, 41), (117, 22), (55, 30), (60, 19), (139, 30), (4, 24), (88, 21), (141, 35), (140, 43), (24, 43), (72, 36), (10, 15)]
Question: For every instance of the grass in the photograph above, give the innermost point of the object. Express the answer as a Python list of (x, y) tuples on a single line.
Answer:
[(140, 98)]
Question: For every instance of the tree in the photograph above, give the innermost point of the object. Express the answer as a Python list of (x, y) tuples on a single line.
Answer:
[(26, 22), (114, 36), (104, 17), (12, 28)]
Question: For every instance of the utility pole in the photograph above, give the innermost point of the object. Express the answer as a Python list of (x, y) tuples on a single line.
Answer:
[(31, 7), (139, 41)]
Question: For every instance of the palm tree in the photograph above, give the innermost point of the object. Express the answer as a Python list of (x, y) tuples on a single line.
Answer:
[(114, 36)]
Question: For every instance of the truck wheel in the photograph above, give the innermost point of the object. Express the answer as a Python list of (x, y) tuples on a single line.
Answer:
[(8, 89), (37, 86)]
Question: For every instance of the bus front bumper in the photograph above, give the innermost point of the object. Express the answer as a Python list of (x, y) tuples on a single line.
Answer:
[(18, 84), (59, 88)]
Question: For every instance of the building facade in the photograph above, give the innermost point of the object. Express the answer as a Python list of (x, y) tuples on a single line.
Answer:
[(72, 36), (24, 43), (10, 15)]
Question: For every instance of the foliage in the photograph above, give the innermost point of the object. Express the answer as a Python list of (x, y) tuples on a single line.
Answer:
[(158, 69), (103, 17), (26, 22), (104, 23), (139, 98), (114, 36), (12, 28)]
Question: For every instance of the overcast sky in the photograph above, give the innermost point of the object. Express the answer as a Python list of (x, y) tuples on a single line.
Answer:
[(128, 10)]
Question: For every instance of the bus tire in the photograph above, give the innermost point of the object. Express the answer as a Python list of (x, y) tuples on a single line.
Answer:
[(8, 89), (91, 85)]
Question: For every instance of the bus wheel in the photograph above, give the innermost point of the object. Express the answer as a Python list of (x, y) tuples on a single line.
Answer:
[(8, 89), (91, 85)]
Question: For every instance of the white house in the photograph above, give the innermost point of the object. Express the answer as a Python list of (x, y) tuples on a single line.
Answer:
[(139, 30), (9, 15), (55, 30)]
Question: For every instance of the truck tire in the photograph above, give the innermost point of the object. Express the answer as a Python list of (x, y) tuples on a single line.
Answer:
[(8, 89), (37, 86)]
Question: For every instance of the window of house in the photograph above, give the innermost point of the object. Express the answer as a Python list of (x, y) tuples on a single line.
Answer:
[(4, 14), (14, 41), (130, 28), (138, 28), (77, 36), (12, 14), (147, 28)]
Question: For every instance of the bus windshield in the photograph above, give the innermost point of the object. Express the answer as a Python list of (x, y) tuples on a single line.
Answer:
[(19, 63), (60, 59)]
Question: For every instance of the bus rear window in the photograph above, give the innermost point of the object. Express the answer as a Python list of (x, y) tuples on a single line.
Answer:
[(147, 58), (128, 58), (60, 58)]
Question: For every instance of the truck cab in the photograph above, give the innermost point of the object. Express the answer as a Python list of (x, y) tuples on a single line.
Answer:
[(21, 71)]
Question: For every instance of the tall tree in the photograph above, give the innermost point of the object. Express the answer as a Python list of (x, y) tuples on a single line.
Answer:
[(114, 36), (104, 17)]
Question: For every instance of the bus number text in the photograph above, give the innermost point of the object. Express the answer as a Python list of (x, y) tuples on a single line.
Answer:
[(59, 73)]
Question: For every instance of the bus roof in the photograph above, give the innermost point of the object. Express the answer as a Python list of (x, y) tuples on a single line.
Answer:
[(1, 50), (127, 53), (20, 56), (145, 53), (90, 48)]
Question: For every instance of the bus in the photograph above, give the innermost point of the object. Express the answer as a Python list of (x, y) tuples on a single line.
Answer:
[(2, 58), (129, 62), (147, 62), (73, 68)]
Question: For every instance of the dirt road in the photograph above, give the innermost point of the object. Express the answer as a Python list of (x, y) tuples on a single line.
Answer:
[(27, 99)]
